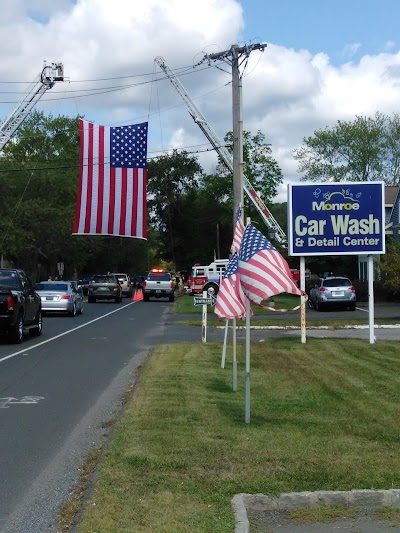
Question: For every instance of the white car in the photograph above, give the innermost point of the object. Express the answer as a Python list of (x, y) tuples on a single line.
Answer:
[(125, 282)]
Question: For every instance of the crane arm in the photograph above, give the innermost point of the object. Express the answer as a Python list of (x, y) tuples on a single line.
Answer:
[(44, 81), (223, 152)]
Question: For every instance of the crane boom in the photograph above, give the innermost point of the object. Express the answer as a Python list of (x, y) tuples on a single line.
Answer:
[(224, 153), (44, 81)]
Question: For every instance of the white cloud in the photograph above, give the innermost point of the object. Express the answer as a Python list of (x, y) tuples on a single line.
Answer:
[(288, 94)]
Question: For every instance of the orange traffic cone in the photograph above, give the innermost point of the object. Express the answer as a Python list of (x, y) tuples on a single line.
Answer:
[(138, 295)]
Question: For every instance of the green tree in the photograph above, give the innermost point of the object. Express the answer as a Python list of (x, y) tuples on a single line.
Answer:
[(390, 267), (365, 149)]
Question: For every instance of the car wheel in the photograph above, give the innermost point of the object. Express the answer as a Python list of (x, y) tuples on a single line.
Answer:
[(130, 294), (37, 330), (211, 289), (17, 330), (145, 298), (353, 307)]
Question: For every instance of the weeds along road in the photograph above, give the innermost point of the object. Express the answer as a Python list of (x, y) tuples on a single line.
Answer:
[(56, 392)]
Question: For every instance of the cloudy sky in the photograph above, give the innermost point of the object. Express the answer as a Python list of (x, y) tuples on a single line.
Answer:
[(325, 61)]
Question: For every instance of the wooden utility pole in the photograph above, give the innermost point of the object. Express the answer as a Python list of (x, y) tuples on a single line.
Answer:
[(235, 57)]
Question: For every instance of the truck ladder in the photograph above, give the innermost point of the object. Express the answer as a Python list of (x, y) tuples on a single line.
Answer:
[(44, 81), (224, 153)]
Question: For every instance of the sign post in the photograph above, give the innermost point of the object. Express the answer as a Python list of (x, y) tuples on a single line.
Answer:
[(206, 299), (338, 219)]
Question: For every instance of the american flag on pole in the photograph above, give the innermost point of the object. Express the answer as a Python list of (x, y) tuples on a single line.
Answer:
[(231, 301), (238, 232), (112, 181), (262, 269)]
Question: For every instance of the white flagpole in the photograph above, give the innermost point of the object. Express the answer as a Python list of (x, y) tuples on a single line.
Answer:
[(224, 346), (234, 360), (247, 402), (302, 299)]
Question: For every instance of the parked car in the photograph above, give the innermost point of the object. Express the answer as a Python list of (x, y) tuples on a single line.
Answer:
[(126, 284), (104, 287), (60, 297), (332, 291)]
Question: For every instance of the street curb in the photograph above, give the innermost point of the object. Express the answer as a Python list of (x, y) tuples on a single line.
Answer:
[(242, 522), (296, 500)]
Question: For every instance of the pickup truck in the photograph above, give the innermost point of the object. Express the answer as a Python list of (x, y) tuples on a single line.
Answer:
[(158, 284), (20, 305)]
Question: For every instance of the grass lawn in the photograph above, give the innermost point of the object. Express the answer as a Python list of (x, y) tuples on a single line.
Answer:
[(324, 416), (263, 317)]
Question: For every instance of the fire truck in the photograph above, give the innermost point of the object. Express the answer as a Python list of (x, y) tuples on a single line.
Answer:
[(206, 277)]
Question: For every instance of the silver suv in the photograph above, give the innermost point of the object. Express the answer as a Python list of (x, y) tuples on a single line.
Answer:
[(332, 291), (125, 282)]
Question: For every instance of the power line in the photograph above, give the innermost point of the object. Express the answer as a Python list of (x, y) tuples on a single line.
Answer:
[(98, 91), (66, 167)]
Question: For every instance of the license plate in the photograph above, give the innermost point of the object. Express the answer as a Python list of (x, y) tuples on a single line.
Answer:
[(158, 290), (48, 298), (103, 289), (338, 293)]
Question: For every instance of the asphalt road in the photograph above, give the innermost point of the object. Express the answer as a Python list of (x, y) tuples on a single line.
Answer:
[(56, 392)]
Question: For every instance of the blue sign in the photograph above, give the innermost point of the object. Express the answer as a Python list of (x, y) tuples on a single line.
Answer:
[(336, 219), (200, 300)]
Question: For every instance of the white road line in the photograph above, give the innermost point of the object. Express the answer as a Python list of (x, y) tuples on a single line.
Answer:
[(362, 309), (65, 333)]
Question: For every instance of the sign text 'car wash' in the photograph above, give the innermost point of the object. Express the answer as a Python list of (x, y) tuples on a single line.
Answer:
[(336, 218)]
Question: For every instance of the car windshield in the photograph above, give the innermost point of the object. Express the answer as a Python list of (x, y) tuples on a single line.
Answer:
[(337, 282), (59, 287), (104, 279)]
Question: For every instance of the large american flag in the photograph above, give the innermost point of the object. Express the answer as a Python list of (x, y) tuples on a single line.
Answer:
[(112, 181), (262, 269), (231, 301), (238, 232)]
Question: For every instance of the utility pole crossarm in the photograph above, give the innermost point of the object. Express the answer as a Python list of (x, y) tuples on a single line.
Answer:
[(44, 81), (223, 152)]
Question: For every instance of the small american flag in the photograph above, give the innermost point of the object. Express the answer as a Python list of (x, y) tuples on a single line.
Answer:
[(238, 232), (231, 301), (262, 269), (112, 181)]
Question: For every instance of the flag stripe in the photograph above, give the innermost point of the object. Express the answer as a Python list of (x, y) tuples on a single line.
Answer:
[(81, 171), (263, 271), (100, 200)]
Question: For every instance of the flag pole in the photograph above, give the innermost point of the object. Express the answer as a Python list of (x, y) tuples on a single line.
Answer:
[(224, 346), (234, 360), (247, 395)]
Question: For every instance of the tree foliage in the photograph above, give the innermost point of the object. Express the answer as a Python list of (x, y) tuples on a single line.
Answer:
[(390, 267), (366, 149)]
